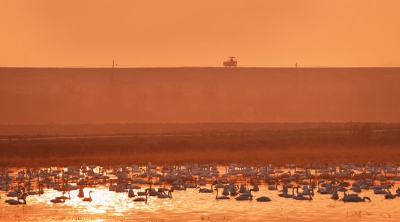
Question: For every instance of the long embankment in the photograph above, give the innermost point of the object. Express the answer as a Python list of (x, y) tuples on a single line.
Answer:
[(194, 94), (224, 111), (222, 143)]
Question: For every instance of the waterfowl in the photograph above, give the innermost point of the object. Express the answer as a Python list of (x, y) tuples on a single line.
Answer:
[(245, 197), (168, 195), (88, 198), (64, 197), (301, 197), (130, 193), (205, 190), (271, 187), (389, 195), (335, 194), (263, 199), (17, 202), (55, 200), (355, 199), (137, 199), (80, 193), (221, 197)]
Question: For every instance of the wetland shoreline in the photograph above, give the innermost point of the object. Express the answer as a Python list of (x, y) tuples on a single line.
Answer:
[(253, 145)]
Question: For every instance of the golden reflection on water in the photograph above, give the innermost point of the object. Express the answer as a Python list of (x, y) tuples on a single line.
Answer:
[(191, 205)]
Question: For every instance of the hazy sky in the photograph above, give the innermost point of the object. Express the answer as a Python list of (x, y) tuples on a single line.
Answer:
[(199, 33)]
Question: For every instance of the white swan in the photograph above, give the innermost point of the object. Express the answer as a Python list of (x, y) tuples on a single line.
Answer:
[(272, 187), (14, 193), (244, 198), (88, 198), (255, 187), (263, 199), (163, 195), (390, 195), (356, 199), (286, 195), (40, 191), (55, 200), (234, 190), (301, 197), (190, 185), (335, 194), (153, 192), (202, 182), (16, 202), (138, 199), (380, 191), (80, 193), (130, 193), (225, 191), (221, 197), (242, 189), (205, 190), (64, 197)]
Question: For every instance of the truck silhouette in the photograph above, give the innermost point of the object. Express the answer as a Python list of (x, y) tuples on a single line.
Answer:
[(231, 62)]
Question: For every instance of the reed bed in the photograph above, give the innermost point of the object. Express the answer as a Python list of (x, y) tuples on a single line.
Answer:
[(257, 147), (299, 156)]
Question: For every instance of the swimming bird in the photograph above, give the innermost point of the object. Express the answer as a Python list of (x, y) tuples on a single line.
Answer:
[(286, 195), (40, 190), (255, 187), (221, 197), (191, 185), (263, 199), (284, 191), (225, 191), (64, 197), (301, 197), (14, 193), (247, 192), (398, 191), (234, 190), (137, 199), (242, 188), (380, 191), (81, 194), (335, 194), (16, 202), (153, 192), (130, 193), (390, 195), (355, 199), (205, 190), (272, 187), (55, 200), (168, 195), (244, 197), (88, 198)]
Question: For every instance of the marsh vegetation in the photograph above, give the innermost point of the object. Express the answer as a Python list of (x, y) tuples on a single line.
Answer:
[(180, 143)]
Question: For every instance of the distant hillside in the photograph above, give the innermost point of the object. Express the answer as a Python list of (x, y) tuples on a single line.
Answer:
[(131, 95)]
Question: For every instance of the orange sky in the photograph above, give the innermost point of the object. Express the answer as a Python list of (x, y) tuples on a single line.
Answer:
[(199, 33)]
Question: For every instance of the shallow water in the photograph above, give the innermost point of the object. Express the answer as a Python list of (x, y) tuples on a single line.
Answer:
[(192, 205)]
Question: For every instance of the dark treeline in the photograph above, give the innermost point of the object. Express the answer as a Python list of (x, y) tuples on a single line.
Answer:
[(11, 130), (160, 147)]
